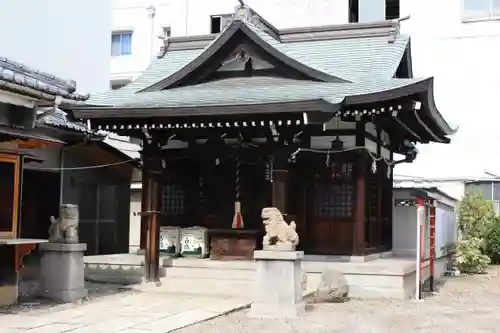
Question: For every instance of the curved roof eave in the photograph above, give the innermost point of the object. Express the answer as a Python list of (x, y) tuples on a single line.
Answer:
[(221, 40), (389, 94), (438, 117)]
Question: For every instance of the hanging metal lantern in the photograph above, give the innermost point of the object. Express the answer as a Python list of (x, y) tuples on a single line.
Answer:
[(374, 166)]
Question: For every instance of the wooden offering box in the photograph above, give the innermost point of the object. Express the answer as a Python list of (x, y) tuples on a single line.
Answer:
[(233, 244)]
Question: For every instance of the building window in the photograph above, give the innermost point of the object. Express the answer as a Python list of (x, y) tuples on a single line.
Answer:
[(373, 10), (473, 10), (121, 43), (117, 84), (166, 32), (219, 22)]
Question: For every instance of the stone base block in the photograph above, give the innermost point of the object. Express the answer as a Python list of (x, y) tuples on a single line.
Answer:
[(62, 272), (278, 285), (8, 295)]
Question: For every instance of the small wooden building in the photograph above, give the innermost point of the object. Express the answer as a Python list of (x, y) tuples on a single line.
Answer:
[(308, 120), (22, 91), (88, 171), (46, 160)]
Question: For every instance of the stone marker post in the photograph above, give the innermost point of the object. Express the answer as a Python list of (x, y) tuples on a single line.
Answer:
[(279, 284), (62, 268)]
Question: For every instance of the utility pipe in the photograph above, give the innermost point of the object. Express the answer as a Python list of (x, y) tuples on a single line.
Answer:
[(418, 253), (151, 14), (432, 244)]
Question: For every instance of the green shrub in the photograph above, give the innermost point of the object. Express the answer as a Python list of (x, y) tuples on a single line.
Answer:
[(468, 256), (493, 241), (477, 229), (474, 215)]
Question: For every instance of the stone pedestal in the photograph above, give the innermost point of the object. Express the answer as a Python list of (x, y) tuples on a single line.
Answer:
[(62, 272), (278, 285)]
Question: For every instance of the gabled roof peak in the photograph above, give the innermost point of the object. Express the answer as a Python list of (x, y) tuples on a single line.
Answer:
[(244, 13)]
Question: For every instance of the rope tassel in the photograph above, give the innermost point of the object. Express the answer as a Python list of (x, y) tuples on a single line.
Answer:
[(237, 218)]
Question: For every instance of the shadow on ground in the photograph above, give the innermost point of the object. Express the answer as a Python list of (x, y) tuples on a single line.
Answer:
[(28, 289)]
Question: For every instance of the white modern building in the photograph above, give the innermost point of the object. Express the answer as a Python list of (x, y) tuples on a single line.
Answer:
[(456, 41), (55, 36)]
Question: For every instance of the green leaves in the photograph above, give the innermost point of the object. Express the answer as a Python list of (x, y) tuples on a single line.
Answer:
[(478, 226)]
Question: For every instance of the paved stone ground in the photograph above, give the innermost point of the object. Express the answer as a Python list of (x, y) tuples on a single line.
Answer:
[(464, 304), (111, 308)]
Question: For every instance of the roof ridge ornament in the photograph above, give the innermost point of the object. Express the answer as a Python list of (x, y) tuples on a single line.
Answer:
[(245, 13), (248, 15)]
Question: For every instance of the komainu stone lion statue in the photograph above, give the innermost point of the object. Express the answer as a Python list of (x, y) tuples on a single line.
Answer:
[(280, 236), (65, 228)]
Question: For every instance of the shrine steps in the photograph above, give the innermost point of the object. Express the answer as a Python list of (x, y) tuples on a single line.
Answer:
[(209, 277), (385, 277), (183, 275)]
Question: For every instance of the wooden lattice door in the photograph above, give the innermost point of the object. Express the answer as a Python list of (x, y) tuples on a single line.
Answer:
[(331, 226)]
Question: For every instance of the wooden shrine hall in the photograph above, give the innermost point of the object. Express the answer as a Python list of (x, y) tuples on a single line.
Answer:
[(308, 120)]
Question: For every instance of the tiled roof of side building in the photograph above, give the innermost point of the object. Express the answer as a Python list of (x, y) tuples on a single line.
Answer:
[(25, 80), (58, 119)]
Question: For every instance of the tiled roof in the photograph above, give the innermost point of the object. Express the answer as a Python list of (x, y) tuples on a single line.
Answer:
[(255, 90), (370, 57), (25, 80), (58, 119)]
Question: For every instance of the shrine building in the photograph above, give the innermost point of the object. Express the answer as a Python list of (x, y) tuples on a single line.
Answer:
[(309, 120)]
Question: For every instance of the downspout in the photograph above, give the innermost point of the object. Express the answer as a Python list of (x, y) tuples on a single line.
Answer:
[(186, 14), (151, 14), (419, 248), (61, 175)]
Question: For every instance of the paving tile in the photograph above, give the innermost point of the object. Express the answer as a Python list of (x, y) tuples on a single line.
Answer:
[(54, 328), (224, 306), (178, 321), (135, 330), (27, 322), (116, 323)]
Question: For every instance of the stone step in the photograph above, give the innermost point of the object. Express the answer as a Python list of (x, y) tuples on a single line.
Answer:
[(210, 273), (205, 287), (207, 263), (211, 287)]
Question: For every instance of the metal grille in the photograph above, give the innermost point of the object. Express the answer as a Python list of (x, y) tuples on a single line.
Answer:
[(173, 199), (335, 200)]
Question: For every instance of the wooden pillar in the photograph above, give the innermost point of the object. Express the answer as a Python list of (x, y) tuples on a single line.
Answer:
[(144, 208), (358, 243), (381, 173), (280, 179), (359, 209), (151, 179)]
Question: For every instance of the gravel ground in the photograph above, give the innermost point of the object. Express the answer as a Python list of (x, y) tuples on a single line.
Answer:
[(464, 304)]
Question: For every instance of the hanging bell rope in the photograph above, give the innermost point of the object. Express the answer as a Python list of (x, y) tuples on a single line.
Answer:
[(237, 218)]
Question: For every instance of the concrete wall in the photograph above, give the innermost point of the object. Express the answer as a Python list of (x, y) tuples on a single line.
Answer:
[(70, 39), (462, 56), (404, 232)]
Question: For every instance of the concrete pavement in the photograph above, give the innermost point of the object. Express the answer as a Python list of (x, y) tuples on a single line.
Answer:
[(151, 311)]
